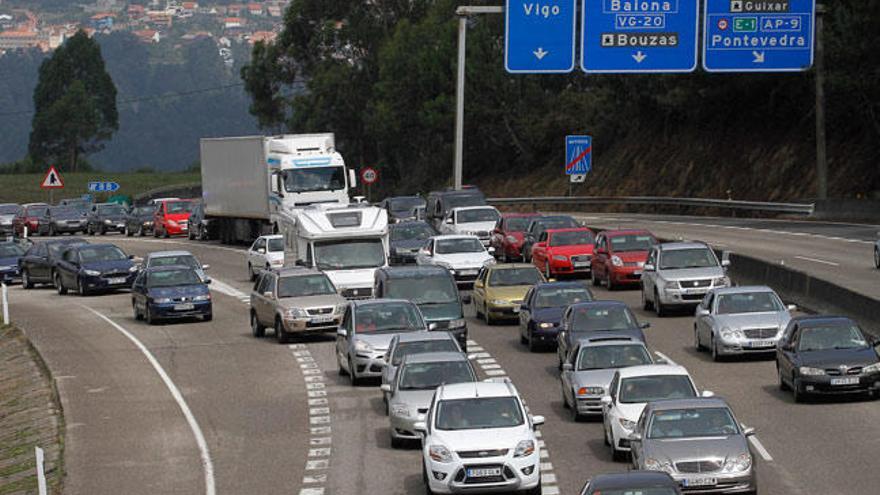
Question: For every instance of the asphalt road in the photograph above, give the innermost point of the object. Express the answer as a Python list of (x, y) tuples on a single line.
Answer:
[(254, 401)]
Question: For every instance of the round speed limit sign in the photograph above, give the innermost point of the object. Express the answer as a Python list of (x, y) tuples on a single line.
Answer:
[(369, 175)]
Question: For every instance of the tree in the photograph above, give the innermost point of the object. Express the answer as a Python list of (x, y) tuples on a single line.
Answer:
[(74, 104)]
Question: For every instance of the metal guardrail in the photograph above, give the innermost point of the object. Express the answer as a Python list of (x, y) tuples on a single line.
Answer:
[(794, 208)]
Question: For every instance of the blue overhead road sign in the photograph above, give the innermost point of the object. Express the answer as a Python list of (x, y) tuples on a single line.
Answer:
[(639, 35), (539, 36), (103, 186), (578, 155), (758, 36)]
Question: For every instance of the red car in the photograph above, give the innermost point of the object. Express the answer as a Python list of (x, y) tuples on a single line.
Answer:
[(32, 215), (620, 256), (507, 238), (564, 251), (172, 217)]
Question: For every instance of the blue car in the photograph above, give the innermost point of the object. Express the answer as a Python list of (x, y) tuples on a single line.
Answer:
[(170, 292), (541, 312), (10, 254), (88, 268)]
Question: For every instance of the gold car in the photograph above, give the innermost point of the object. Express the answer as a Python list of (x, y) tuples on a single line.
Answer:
[(499, 290)]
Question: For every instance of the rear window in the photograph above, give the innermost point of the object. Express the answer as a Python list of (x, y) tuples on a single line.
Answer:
[(603, 318), (406, 348), (574, 238), (641, 389)]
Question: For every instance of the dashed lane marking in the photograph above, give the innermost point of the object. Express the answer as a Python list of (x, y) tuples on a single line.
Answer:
[(665, 358), (817, 260), (760, 448), (320, 429)]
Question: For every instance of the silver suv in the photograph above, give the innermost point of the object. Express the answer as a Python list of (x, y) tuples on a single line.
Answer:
[(680, 274)]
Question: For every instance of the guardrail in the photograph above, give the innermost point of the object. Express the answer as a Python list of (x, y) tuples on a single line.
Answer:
[(793, 208)]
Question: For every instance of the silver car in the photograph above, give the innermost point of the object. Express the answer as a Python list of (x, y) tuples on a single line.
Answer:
[(589, 367), (740, 320), (404, 344), (179, 258), (698, 442), (680, 274), (411, 391), (367, 328)]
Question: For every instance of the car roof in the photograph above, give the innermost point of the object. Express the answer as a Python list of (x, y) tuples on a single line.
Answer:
[(434, 357), (168, 254), (423, 336), (554, 285), (65, 240), (607, 340), (407, 223), (168, 267), (652, 370), (569, 229), (511, 214), (453, 236), (691, 403), (815, 320), (598, 303), (743, 289), (551, 217), (672, 246), (615, 233), (510, 266), (632, 479), (28, 205), (479, 207), (417, 271), (473, 390), (357, 303), (295, 271), (271, 236), (103, 244)]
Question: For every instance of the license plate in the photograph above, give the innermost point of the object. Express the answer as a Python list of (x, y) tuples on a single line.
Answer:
[(468, 272), (762, 343), (637, 273), (582, 264), (184, 307), (483, 472), (853, 380), (699, 482), (183, 227), (114, 281), (515, 309), (694, 291), (322, 319)]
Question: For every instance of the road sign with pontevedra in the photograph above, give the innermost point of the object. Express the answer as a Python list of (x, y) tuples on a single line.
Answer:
[(539, 36)]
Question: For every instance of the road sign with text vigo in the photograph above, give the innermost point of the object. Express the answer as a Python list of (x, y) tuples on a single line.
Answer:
[(539, 36), (758, 35), (639, 36)]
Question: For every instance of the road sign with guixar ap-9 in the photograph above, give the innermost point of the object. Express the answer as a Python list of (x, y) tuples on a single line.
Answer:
[(758, 36), (578, 155), (639, 36), (539, 36)]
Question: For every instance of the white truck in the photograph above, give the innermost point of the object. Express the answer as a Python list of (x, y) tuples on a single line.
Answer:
[(248, 182)]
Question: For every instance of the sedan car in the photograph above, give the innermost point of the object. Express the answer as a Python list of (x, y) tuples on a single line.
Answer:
[(619, 257), (177, 258), (39, 261), (139, 220), (541, 312), (367, 329), (564, 251), (538, 225), (596, 318), (170, 292), (680, 274), (87, 268), (105, 217), (8, 212), (10, 257), (31, 216), (508, 234), (171, 217), (740, 320), (699, 443), (632, 483), (827, 355), (500, 289), (66, 220), (405, 239), (404, 344), (473, 220), (411, 391), (462, 255)]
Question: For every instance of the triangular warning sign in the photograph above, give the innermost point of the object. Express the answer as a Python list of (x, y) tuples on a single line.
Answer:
[(52, 180)]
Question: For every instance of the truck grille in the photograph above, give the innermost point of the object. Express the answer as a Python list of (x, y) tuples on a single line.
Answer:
[(760, 333), (320, 311), (698, 466), (687, 284), (478, 454)]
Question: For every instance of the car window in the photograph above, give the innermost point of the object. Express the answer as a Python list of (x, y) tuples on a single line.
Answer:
[(616, 317), (479, 413), (573, 238), (266, 283), (259, 244), (411, 232), (831, 337), (181, 259), (554, 297), (640, 389), (406, 348), (172, 278), (632, 242), (434, 289), (460, 245), (748, 302), (514, 276), (516, 224), (652, 258), (428, 376), (388, 317), (676, 259), (603, 357), (89, 254), (177, 207), (276, 245), (692, 423), (304, 286), (479, 215), (10, 250)]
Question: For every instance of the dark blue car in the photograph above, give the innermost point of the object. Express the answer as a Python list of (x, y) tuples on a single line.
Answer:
[(406, 238), (87, 268), (541, 312), (596, 318), (10, 254), (170, 292), (644, 482)]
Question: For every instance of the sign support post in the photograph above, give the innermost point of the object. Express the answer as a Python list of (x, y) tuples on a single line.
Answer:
[(821, 158)]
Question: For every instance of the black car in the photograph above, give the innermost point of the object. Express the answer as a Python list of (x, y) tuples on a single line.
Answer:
[(88, 268), (105, 217), (440, 203), (139, 220), (8, 212), (65, 220), (596, 317), (827, 355), (541, 312), (406, 238), (399, 208), (10, 256), (170, 292), (39, 261), (631, 483), (538, 225)]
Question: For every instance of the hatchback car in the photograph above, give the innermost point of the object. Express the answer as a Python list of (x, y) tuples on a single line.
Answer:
[(265, 253), (405, 239), (508, 234), (698, 442), (500, 289), (462, 255), (564, 252), (170, 292), (10, 260), (596, 318), (632, 483), (680, 274), (172, 217), (541, 312), (404, 344), (39, 261), (619, 257), (105, 217), (538, 225), (367, 329), (87, 268), (179, 258), (139, 220), (66, 220), (32, 216), (827, 355)]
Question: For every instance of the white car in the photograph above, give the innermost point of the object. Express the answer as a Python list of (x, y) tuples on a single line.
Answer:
[(462, 255), (265, 253), (474, 220), (631, 389), (480, 438)]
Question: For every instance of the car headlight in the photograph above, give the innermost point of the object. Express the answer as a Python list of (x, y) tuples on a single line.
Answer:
[(295, 313), (172, 223), (721, 282), (92, 273), (361, 346), (668, 284), (132, 268), (740, 463), (340, 308), (148, 223), (808, 371), (560, 257), (652, 464), (616, 261), (399, 410), (593, 391), (162, 300), (524, 448), (108, 221), (457, 323), (727, 333), (7, 268), (545, 325), (627, 424), (511, 239), (871, 368), (499, 302), (439, 453), (203, 297)]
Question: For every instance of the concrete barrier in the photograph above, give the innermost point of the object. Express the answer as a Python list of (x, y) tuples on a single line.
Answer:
[(847, 210)]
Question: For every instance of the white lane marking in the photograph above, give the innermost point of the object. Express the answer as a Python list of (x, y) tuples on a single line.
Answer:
[(549, 490), (224, 288), (816, 260), (207, 464), (665, 358), (760, 448), (495, 372)]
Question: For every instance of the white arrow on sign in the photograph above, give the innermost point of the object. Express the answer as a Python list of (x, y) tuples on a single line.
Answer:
[(540, 53), (759, 57), (639, 56)]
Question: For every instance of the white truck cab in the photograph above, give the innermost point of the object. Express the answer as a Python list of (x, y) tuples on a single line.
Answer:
[(306, 169)]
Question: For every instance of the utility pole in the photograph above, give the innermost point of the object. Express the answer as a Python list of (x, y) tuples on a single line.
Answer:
[(821, 157)]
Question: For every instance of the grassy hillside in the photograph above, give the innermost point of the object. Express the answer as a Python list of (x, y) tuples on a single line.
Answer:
[(25, 188)]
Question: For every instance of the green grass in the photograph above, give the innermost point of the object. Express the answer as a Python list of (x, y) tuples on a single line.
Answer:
[(25, 188)]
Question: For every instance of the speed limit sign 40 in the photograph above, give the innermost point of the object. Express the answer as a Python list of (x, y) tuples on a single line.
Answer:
[(369, 175)]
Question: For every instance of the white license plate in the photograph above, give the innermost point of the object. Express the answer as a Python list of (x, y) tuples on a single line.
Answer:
[(322, 319), (581, 264), (114, 281), (762, 343), (183, 227), (483, 472), (515, 309), (184, 307), (468, 272), (637, 273), (853, 380), (695, 291), (699, 482)]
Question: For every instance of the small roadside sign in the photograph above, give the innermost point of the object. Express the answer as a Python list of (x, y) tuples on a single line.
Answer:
[(577, 178), (103, 186), (369, 175), (578, 155), (52, 180)]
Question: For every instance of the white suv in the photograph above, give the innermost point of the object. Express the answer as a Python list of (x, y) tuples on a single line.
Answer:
[(479, 437), (474, 220), (265, 253)]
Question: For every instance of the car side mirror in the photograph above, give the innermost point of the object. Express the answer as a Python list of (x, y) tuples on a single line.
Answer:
[(702, 312), (269, 294), (792, 307), (301, 263), (449, 221), (648, 267), (635, 437), (644, 325), (748, 431), (567, 367), (707, 393), (131, 256), (606, 400), (725, 263), (341, 332), (206, 267), (261, 250), (537, 420), (478, 284), (385, 387), (420, 426), (491, 250)]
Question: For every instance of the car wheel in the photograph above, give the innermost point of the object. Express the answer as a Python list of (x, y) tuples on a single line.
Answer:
[(127, 232), (165, 234), (646, 304), (534, 491), (523, 339), (134, 309), (190, 235), (575, 416), (782, 385), (713, 346), (148, 316), (102, 231), (609, 284), (796, 392), (52, 231), (503, 256), (59, 285), (208, 317), (257, 329), (533, 346), (396, 443), (82, 291), (594, 278), (251, 274), (352, 374), (26, 282), (486, 316), (547, 274), (659, 308), (280, 334), (617, 455), (90, 230), (697, 345), (156, 232)]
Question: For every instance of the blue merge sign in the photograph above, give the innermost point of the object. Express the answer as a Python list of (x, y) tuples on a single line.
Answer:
[(758, 36), (539, 36), (639, 36), (578, 155), (103, 186)]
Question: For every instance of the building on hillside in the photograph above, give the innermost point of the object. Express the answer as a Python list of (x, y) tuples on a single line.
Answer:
[(159, 19), (233, 22), (189, 7), (264, 36), (255, 8), (195, 36), (274, 10), (103, 21), (19, 40), (136, 12), (235, 9), (148, 35)]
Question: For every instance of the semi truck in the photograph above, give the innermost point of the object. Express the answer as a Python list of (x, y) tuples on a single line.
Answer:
[(250, 182)]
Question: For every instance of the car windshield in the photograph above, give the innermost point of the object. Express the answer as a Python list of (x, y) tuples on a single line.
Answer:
[(573, 238), (641, 389), (557, 223), (300, 180), (37, 211), (175, 207), (687, 258), (101, 253), (181, 260), (406, 348), (556, 297), (10, 250), (617, 317), (428, 376), (388, 317), (404, 204), (438, 289), (460, 200), (411, 232), (456, 246), (304, 286), (479, 413), (603, 357), (56, 248), (831, 337), (659, 490), (276, 245), (508, 277), (631, 242), (9, 209), (516, 224), (479, 215), (748, 302), (64, 211), (692, 423), (172, 278), (347, 255), (111, 210)]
